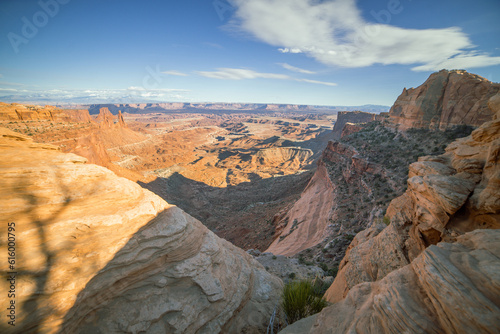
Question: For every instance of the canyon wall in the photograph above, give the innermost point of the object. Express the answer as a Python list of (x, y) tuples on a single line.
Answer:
[(434, 266), (444, 100), (96, 253)]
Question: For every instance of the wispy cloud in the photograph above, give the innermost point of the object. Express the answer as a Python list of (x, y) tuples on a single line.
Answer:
[(296, 69), (318, 82), (213, 45), (174, 72), (334, 33), (5, 83), (240, 74)]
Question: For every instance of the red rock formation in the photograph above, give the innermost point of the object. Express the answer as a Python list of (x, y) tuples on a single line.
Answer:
[(121, 121), (105, 119), (350, 128), (354, 117), (445, 99)]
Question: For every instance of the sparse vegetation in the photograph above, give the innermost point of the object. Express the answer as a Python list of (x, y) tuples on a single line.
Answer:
[(300, 299), (333, 271)]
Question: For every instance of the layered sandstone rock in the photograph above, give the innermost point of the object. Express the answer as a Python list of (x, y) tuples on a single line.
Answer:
[(447, 196), (449, 288), (352, 117), (444, 100), (99, 254)]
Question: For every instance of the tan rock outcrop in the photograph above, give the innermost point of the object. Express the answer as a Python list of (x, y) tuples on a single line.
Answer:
[(449, 288), (444, 100), (96, 253)]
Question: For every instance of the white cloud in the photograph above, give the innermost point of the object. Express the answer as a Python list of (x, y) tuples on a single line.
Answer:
[(239, 74), (296, 69), (287, 50), (318, 82), (334, 33), (174, 72)]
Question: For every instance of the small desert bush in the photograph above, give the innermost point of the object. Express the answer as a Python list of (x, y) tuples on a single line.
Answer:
[(386, 220), (300, 299)]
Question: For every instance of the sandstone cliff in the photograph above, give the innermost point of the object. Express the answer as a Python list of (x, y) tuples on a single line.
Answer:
[(433, 266), (99, 254), (352, 117), (445, 99)]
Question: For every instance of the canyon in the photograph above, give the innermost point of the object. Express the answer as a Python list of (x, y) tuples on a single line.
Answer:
[(401, 210)]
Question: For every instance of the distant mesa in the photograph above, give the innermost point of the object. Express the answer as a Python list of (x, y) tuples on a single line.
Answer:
[(167, 107)]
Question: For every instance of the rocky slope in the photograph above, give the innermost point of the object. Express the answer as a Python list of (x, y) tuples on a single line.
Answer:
[(434, 250), (445, 99), (99, 254)]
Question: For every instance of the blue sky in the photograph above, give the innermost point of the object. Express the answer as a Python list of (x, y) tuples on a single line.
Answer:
[(339, 52)]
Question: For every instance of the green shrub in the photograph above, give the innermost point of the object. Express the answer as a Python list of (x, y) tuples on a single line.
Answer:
[(386, 220), (333, 272), (291, 275), (299, 300)]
